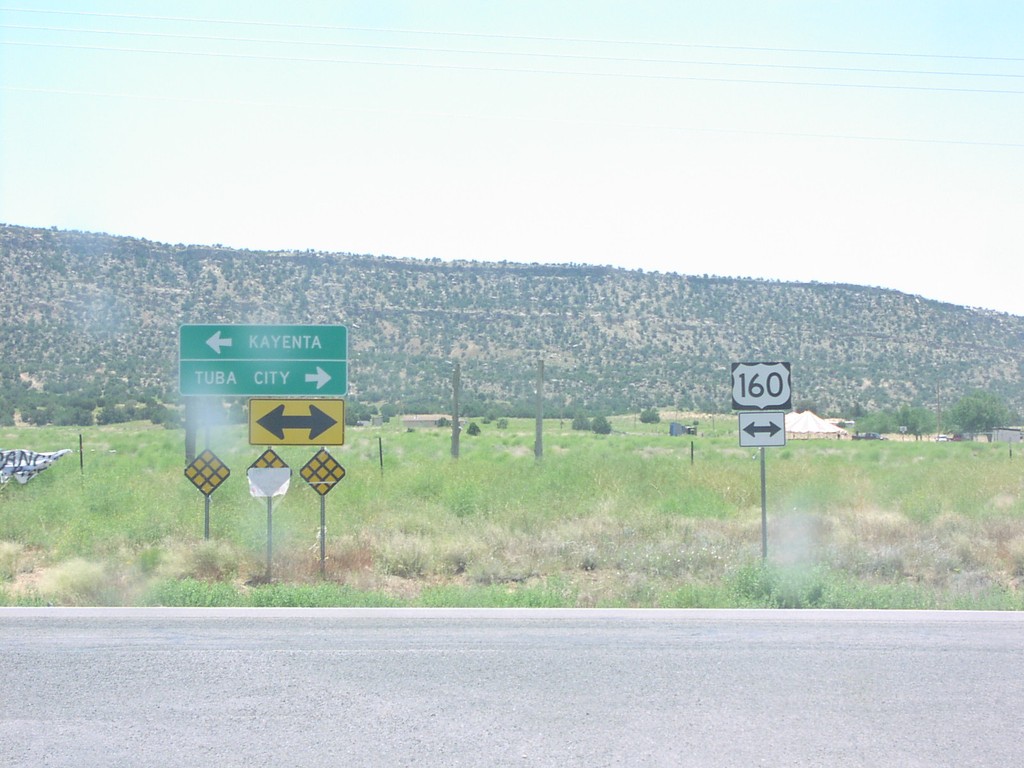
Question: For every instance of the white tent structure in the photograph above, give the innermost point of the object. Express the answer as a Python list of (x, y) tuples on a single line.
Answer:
[(807, 424)]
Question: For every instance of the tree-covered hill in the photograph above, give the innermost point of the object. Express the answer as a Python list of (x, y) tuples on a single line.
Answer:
[(91, 325)]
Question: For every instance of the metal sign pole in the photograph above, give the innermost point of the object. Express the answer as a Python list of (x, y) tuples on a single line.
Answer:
[(269, 476), (763, 392), (207, 472), (270, 532), (456, 426), (323, 534), (764, 512), (322, 473), (538, 440)]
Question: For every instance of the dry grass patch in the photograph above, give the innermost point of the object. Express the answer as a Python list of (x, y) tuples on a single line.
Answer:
[(12, 559), (212, 560), (947, 552), (76, 582)]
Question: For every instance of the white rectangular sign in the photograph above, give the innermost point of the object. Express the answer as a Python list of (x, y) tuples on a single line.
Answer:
[(762, 429), (265, 482)]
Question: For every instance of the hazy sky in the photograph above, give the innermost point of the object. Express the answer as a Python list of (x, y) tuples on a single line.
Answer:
[(876, 143)]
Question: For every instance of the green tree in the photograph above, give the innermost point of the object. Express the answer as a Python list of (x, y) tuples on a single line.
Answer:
[(649, 416), (112, 414), (601, 426), (356, 412), (918, 421), (72, 416), (581, 423), (979, 412), (881, 421)]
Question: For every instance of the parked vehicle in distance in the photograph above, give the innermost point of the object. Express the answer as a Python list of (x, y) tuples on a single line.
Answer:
[(868, 436)]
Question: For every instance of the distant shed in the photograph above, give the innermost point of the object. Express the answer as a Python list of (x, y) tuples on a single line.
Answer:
[(427, 421), (1006, 435), (424, 421)]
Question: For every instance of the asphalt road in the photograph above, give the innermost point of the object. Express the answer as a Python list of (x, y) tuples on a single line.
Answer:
[(154, 687)]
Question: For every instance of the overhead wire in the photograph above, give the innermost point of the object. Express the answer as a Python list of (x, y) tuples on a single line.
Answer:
[(468, 116), (514, 70), (496, 36), (506, 53), (544, 55)]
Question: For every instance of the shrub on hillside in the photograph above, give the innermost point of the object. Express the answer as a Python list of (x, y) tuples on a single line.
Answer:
[(649, 416)]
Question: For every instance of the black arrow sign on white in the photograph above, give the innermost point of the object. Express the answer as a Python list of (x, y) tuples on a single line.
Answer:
[(771, 429), (317, 422)]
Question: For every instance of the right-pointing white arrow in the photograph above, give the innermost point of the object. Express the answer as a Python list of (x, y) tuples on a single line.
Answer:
[(321, 377)]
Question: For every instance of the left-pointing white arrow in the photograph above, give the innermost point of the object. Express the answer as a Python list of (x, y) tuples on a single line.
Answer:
[(216, 343), (321, 377)]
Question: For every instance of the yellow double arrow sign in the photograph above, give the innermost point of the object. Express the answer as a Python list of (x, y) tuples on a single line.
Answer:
[(296, 422)]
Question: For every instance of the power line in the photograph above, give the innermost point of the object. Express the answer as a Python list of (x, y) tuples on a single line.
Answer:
[(513, 70), (519, 54), (494, 36), (291, 107)]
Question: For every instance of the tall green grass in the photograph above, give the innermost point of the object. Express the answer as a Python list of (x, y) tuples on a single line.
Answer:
[(635, 518)]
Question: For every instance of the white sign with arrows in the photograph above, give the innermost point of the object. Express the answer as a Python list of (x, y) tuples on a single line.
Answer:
[(762, 429)]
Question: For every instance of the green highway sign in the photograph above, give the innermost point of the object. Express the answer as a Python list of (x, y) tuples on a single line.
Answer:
[(271, 360)]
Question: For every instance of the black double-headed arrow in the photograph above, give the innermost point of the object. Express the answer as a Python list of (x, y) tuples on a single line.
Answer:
[(771, 428), (317, 422)]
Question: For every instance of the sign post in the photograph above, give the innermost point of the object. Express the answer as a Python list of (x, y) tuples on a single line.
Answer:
[(763, 392), (206, 473), (322, 472), (269, 476), (764, 511)]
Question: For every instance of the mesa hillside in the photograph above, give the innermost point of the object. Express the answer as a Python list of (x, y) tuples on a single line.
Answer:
[(91, 323)]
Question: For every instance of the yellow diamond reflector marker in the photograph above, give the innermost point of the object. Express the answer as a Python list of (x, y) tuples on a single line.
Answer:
[(322, 472), (207, 472), (268, 460)]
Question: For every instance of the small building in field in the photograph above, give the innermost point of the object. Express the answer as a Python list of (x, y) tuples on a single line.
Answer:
[(1006, 435), (428, 421), (422, 421)]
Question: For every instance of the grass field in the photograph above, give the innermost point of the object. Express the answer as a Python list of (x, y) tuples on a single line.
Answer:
[(631, 519)]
